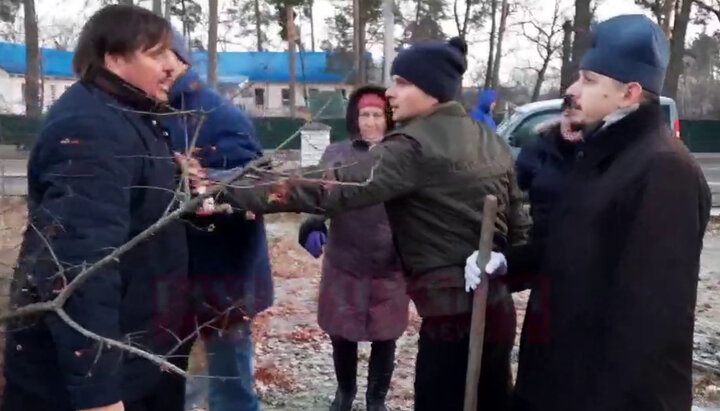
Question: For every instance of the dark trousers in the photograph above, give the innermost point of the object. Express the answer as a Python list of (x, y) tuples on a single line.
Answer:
[(382, 357), (442, 364)]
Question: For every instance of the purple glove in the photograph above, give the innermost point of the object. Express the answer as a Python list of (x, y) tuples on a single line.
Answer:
[(315, 242)]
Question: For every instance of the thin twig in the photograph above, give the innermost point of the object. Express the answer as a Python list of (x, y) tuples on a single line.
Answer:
[(200, 327), (164, 364), (60, 268)]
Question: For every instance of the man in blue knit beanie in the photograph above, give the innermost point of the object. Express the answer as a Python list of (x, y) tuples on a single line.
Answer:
[(624, 244)]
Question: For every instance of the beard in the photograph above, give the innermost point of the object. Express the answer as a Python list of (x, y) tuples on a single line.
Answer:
[(573, 119), (572, 112)]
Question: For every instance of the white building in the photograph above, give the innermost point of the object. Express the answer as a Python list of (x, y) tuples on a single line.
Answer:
[(273, 99), (57, 77), (267, 90)]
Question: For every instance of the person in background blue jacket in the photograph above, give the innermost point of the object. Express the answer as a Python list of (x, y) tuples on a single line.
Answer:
[(229, 262), (484, 110)]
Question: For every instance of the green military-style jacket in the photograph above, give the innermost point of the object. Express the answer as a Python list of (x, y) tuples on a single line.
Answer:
[(433, 174)]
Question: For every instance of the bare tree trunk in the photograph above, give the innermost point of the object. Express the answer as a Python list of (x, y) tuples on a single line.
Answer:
[(490, 62), (41, 86), (667, 14), (312, 25), (357, 41), (456, 16), (185, 24), (566, 73), (581, 43), (462, 26), (33, 105), (258, 26), (388, 37), (290, 24), (157, 7), (540, 79), (677, 49), (168, 7), (212, 44), (505, 9)]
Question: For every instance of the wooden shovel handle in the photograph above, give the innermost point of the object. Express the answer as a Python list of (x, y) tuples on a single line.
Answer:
[(477, 325)]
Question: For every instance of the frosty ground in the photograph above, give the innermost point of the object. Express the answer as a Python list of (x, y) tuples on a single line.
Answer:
[(293, 356), (293, 363)]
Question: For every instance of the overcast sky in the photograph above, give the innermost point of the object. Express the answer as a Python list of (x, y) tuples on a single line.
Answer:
[(53, 14)]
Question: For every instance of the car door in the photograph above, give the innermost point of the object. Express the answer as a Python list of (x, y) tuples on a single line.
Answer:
[(525, 131)]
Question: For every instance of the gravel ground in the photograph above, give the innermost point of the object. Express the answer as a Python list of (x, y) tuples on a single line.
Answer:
[(294, 365)]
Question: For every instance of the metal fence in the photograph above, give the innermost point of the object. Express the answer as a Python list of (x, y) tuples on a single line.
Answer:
[(22, 132)]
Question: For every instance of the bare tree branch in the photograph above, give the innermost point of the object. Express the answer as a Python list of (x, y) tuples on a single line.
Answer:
[(709, 8), (88, 270), (155, 359)]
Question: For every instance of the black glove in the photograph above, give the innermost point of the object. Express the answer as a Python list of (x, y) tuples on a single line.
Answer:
[(311, 223)]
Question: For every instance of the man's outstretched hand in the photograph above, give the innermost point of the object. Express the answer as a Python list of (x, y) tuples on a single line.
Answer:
[(473, 274)]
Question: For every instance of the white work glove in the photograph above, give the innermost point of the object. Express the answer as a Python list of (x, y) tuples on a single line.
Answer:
[(473, 274)]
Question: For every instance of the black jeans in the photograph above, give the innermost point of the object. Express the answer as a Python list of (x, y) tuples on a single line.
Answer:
[(442, 364), (168, 395)]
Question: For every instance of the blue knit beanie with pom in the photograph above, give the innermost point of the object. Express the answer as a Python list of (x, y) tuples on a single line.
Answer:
[(436, 67)]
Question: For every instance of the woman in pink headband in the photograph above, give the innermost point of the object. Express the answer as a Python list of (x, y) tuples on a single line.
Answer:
[(362, 292)]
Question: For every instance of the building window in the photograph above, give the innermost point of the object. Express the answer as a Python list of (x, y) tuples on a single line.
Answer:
[(285, 96), (260, 97)]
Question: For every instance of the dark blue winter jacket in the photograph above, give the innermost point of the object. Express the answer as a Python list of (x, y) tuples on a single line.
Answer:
[(99, 175), (482, 112), (541, 170), (229, 261)]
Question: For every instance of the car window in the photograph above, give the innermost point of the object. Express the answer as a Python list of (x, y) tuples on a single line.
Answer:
[(666, 115), (502, 127), (525, 133)]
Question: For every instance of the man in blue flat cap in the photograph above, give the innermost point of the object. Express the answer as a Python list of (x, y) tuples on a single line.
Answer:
[(624, 245)]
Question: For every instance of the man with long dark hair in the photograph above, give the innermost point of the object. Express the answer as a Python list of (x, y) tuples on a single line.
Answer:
[(102, 172)]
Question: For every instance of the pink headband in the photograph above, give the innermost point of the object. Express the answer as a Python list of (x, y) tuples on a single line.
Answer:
[(371, 100)]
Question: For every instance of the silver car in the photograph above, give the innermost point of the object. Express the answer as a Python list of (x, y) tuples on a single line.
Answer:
[(521, 127)]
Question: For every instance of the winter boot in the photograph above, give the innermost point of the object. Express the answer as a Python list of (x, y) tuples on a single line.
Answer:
[(382, 364), (343, 400), (345, 361)]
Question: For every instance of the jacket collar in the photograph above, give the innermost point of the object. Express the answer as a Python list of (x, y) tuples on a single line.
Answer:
[(450, 108), (360, 144), (615, 137), (124, 92), (618, 115), (553, 143)]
